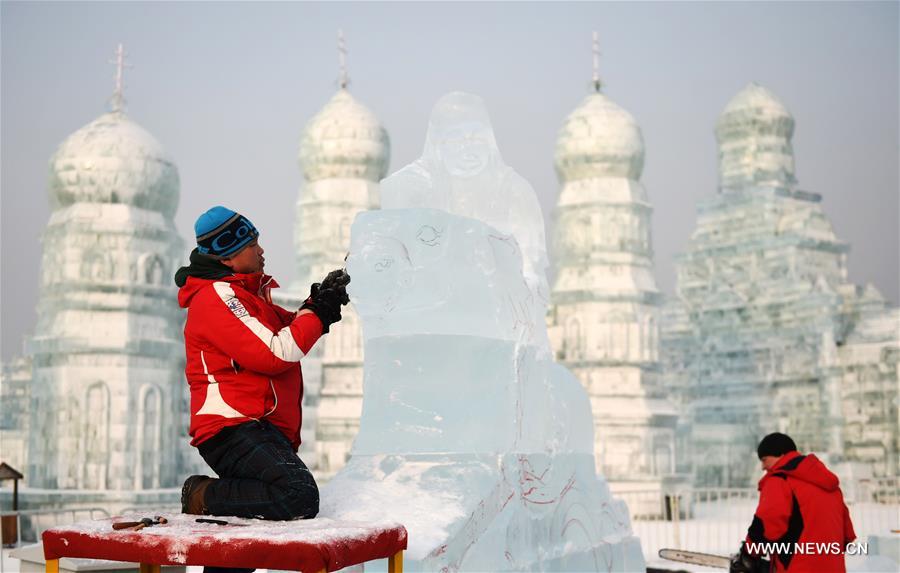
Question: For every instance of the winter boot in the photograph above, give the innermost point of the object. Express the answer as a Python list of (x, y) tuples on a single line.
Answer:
[(192, 495)]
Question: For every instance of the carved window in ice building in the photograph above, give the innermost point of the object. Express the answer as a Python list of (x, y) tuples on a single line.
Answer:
[(95, 437), (153, 269), (69, 415), (632, 341), (617, 341), (149, 437), (662, 458), (648, 339), (97, 266), (572, 344), (603, 339)]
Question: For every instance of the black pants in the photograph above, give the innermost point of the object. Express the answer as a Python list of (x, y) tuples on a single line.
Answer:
[(260, 476)]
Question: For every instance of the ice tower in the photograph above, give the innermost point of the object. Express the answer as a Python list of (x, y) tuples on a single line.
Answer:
[(108, 398), (604, 321), (763, 302), (869, 362), (344, 153), (477, 442)]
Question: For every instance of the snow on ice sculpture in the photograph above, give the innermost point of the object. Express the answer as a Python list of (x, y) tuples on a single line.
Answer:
[(470, 435)]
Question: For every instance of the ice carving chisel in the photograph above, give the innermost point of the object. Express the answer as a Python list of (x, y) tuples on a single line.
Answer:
[(219, 522), (139, 525)]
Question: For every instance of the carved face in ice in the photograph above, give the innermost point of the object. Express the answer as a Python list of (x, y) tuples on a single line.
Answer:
[(460, 137), (383, 266), (429, 271), (461, 172), (465, 149)]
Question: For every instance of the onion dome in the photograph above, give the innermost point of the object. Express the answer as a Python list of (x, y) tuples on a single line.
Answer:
[(114, 160), (344, 140), (754, 134), (599, 139), (754, 110)]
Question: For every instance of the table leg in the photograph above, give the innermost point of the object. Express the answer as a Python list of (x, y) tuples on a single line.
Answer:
[(52, 566), (395, 563), (149, 568)]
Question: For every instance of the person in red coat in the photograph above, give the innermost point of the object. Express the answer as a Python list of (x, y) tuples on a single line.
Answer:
[(801, 512), (243, 368)]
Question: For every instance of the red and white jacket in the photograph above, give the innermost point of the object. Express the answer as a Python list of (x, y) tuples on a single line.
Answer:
[(243, 355)]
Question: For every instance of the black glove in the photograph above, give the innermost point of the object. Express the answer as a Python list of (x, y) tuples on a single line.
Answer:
[(338, 280), (325, 303), (326, 298), (743, 562)]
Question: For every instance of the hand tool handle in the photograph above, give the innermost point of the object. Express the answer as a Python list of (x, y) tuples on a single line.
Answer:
[(220, 522), (213, 521)]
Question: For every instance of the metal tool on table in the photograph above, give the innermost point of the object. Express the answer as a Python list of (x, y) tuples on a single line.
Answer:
[(219, 522), (139, 525)]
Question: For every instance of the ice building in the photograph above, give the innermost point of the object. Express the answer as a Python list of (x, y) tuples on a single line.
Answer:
[(869, 366), (15, 382), (344, 153), (477, 442), (604, 320), (766, 332), (107, 416)]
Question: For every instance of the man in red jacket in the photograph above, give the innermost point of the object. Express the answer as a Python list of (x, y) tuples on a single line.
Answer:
[(801, 512), (243, 355)]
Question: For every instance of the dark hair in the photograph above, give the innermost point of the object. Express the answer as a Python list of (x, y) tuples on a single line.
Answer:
[(775, 445)]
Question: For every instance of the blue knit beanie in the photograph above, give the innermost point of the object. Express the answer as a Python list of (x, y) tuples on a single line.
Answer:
[(221, 232)]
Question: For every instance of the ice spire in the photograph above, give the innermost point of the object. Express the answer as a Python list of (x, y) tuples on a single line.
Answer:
[(595, 48), (118, 98), (344, 80)]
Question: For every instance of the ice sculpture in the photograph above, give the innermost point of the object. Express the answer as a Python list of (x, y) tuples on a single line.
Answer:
[(462, 172), (470, 435)]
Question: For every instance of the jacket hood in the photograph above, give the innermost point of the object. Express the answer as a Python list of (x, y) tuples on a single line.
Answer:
[(205, 270), (806, 468), (202, 267)]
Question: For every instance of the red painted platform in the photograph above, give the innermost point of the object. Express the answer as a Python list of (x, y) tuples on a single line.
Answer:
[(304, 545)]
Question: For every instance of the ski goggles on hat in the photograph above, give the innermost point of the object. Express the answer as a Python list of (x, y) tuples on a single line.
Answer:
[(228, 238)]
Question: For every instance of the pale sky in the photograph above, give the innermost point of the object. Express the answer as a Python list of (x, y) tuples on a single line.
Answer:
[(228, 87)]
